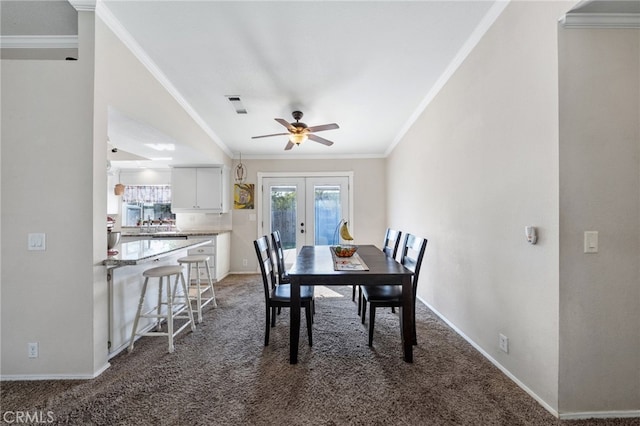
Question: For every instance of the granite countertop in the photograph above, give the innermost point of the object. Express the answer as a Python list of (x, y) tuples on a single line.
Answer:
[(139, 232), (141, 251)]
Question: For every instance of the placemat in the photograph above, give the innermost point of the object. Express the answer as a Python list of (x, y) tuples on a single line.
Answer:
[(353, 263)]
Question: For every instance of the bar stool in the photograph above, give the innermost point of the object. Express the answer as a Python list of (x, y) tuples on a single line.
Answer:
[(197, 261), (172, 311)]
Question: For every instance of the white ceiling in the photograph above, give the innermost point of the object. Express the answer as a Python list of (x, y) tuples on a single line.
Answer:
[(370, 66)]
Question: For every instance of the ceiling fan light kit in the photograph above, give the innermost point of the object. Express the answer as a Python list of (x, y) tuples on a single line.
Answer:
[(299, 132), (298, 138)]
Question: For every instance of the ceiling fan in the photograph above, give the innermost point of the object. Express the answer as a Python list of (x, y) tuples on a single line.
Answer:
[(300, 132)]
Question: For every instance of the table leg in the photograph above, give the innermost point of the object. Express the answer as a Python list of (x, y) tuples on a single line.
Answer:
[(294, 330), (406, 318)]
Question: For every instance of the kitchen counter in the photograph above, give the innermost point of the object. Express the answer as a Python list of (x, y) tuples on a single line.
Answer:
[(125, 281), (136, 252), (140, 232)]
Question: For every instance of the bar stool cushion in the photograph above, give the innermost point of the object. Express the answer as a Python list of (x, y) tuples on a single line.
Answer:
[(194, 258), (163, 271)]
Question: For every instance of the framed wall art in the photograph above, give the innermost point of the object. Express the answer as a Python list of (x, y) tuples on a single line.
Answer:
[(243, 195)]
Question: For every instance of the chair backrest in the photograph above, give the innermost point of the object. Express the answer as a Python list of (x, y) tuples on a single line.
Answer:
[(391, 242), (263, 251), (279, 252), (412, 254)]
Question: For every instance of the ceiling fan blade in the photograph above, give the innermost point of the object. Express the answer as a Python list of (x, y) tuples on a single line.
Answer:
[(289, 146), (316, 138), (267, 136), (323, 127), (286, 124)]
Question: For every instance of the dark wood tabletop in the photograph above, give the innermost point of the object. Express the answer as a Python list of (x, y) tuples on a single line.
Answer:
[(314, 266)]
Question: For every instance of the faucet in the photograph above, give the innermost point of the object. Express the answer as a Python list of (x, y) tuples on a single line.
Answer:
[(149, 222)]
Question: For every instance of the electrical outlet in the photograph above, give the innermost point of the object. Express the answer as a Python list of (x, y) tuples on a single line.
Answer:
[(245, 262), (32, 350), (503, 342)]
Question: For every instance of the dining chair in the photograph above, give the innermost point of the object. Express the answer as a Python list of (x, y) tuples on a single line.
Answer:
[(276, 241), (391, 242), (279, 296), (413, 251), (390, 246), (281, 271)]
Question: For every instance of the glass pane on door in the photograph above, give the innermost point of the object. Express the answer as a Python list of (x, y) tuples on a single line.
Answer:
[(327, 214), (306, 210), (284, 213)]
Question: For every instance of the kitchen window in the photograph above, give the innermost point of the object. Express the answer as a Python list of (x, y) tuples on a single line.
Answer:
[(147, 204)]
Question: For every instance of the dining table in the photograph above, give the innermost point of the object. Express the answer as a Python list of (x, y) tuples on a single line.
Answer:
[(319, 266)]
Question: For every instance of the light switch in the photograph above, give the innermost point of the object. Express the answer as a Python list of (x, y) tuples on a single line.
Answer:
[(36, 241), (252, 218), (591, 241)]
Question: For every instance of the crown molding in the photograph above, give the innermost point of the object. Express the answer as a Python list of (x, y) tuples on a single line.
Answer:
[(297, 156), (39, 42), (83, 5), (601, 20)]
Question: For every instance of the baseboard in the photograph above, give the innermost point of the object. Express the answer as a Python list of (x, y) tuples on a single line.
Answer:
[(502, 368), (243, 273), (16, 377), (600, 415), (101, 370)]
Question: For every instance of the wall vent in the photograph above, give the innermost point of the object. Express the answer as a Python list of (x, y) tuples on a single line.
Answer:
[(237, 104)]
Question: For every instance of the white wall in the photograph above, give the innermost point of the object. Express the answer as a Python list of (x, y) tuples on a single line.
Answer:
[(53, 297), (600, 191), (123, 82), (369, 201), (145, 176), (54, 156), (479, 165)]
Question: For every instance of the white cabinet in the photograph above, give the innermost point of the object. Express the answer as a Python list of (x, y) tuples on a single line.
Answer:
[(219, 256), (209, 250), (200, 189)]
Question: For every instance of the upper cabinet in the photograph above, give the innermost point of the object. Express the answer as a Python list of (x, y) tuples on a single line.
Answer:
[(200, 189)]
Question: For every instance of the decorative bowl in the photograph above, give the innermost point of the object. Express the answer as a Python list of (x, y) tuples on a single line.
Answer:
[(113, 238), (345, 250)]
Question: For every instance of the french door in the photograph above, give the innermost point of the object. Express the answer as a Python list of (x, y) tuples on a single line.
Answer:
[(306, 210)]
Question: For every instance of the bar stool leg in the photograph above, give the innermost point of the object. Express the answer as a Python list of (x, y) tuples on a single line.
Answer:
[(135, 321), (170, 312), (213, 293), (158, 323), (186, 290), (198, 295)]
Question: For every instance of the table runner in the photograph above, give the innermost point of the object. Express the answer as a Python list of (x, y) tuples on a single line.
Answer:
[(353, 263)]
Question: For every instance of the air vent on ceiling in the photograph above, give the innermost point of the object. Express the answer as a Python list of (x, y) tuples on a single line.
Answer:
[(237, 104)]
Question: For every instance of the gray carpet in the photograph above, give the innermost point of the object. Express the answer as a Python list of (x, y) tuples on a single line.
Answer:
[(223, 375)]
